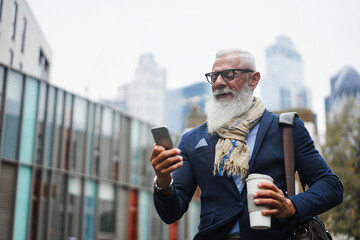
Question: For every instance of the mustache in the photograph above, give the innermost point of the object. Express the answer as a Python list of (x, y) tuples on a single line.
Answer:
[(220, 91)]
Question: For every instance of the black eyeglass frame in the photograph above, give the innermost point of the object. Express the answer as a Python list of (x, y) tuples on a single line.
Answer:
[(208, 75)]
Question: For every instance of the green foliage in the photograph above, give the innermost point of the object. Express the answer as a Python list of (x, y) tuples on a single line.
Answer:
[(342, 151)]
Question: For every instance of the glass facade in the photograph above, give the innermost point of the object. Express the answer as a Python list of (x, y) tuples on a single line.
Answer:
[(74, 169), (22, 203), (90, 210), (28, 132), (12, 115)]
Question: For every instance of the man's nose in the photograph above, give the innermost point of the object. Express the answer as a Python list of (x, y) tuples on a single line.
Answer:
[(219, 81)]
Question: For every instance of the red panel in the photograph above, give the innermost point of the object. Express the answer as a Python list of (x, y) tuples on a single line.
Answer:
[(133, 212), (173, 231)]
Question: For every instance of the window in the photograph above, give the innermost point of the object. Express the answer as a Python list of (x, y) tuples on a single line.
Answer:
[(116, 147), (105, 143), (15, 10), (22, 203), (59, 189), (67, 132), (135, 141), (58, 129), (106, 208), (28, 132), (78, 141), (90, 210), (50, 122), (43, 65), (74, 208), (40, 124), (90, 130), (23, 35), (144, 215), (12, 115)]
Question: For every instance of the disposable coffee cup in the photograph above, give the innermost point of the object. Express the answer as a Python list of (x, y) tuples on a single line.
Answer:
[(257, 220)]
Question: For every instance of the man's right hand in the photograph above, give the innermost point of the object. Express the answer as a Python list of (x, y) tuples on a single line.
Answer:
[(164, 163)]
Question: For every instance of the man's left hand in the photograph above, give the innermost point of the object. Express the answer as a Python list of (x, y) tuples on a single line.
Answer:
[(273, 197)]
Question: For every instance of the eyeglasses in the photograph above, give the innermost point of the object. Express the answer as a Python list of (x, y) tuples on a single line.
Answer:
[(227, 75)]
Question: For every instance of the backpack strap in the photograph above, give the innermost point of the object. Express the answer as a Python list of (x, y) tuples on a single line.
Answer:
[(286, 121)]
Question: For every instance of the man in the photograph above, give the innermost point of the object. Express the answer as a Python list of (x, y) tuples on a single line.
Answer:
[(240, 137)]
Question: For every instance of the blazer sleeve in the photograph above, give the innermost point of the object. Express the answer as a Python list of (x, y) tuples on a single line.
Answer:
[(325, 189), (172, 208)]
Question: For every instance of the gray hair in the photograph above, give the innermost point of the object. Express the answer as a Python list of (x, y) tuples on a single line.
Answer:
[(245, 56)]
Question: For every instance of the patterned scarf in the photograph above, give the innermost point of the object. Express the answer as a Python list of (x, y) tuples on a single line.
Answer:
[(231, 152)]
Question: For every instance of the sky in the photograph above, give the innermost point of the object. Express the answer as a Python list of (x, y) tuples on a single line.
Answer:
[(96, 45)]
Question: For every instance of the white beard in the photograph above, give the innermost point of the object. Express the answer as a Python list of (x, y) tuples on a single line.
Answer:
[(222, 111)]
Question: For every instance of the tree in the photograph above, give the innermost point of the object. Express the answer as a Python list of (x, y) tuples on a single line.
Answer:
[(342, 151)]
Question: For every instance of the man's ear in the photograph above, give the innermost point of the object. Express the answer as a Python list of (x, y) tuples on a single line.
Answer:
[(254, 80)]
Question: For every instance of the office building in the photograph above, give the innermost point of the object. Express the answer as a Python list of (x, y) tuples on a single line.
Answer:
[(342, 85), (22, 43), (73, 169), (182, 101), (283, 87), (145, 96)]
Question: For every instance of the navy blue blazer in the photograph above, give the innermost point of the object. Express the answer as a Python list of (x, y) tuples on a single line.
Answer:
[(222, 204)]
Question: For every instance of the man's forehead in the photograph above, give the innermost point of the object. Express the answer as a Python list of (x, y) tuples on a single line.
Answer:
[(226, 62)]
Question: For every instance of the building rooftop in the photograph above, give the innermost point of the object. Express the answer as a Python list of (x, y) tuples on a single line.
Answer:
[(347, 82)]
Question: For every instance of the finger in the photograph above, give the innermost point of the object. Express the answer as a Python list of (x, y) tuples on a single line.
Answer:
[(160, 154), (269, 186), (270, 202), (170, 168), (270, 212), (167, 162), (268, 194), (156, 151)]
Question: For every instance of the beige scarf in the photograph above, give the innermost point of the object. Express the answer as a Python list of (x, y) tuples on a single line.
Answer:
[(231, 152)]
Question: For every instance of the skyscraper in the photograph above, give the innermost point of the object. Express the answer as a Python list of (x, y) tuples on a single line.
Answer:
[(182, 101), (145, 96), (283, 86), (342, 85)]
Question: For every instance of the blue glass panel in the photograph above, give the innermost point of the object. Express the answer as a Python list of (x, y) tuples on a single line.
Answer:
[(90, 210), (144, 215), (22, 203), (12, 115), (29, 121)]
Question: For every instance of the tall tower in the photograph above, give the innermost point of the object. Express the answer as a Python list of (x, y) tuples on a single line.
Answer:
[(344, 84), (283, 87), (146, 94)]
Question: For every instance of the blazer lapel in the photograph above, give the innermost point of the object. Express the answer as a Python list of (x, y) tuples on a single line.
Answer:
[(263, 128)]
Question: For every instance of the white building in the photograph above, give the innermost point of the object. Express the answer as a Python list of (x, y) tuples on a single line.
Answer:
[(283, 86), (145, 96), (22, 44)]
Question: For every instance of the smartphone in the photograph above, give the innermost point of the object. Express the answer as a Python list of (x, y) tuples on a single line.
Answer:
[(162, 136)]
